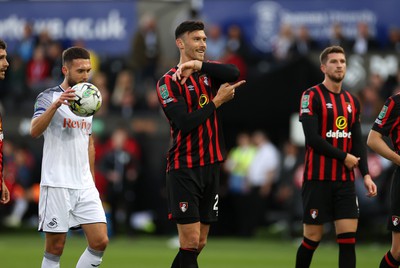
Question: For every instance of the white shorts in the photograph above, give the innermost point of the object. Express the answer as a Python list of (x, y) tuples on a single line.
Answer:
[(61, 208)]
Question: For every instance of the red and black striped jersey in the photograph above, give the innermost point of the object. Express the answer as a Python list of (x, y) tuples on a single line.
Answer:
[(388, 121), (197, 138), (335, 117), (1, 151)]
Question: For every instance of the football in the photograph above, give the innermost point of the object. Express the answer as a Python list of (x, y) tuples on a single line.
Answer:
[(87, 101)]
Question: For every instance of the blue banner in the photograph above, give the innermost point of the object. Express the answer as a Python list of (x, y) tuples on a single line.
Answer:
[(106, 27), (260, 20)]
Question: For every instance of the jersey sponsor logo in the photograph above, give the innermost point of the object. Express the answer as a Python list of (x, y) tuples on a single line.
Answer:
[(183, 206), (381, 115), (203, 100), (80, 124), (341, 124), (314, 213), (53, 223), (395, 220)]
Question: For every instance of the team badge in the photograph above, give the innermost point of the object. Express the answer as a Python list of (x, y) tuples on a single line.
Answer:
[(53, 223), (163, 90), (349, 108), (205, 80), (395, 220), (183, 206), (314, 213)]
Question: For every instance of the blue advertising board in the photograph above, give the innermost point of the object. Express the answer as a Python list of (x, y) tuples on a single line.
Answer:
[(260, 20), (104, 26)]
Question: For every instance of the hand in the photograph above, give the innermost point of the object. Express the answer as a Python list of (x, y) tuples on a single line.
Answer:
[(5, 194), (226, 92), (66, 96), (351, 162), (186, 69), (370, 186)]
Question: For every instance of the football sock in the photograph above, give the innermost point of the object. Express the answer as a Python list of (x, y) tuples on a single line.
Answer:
[(347, 250), (305, 253), (176, 263), (50, 261), (188, 257), (388, 261), (90, 258)]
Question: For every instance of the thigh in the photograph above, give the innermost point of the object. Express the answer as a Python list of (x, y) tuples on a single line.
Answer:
[(317, 202), (394, 216), (184, 194), (87, 208), (210, 198), (54, 209), (345, 201)]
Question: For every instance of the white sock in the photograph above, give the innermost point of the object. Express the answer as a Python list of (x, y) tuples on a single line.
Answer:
[(50, 261), (90, 258), (21, 205)]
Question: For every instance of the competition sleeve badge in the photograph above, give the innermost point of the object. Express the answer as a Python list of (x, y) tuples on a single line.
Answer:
[(163, 90), (305, 102)]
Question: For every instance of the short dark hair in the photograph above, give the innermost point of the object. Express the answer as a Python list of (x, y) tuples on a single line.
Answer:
[(3, 44), (73, 53), (333, 49), (188, 26)]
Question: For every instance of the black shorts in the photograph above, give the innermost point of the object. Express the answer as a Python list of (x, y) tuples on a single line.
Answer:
[(394, 216), (193, 194), (327, 201)]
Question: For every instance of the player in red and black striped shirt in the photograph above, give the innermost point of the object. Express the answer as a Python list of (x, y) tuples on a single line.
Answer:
[(387, 124), (190, 94), (5, 195), (330, 117)]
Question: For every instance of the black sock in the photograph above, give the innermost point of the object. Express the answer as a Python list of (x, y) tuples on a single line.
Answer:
[(188, 257), (347, 250), (388, 261), (305, 253), (176, 263)]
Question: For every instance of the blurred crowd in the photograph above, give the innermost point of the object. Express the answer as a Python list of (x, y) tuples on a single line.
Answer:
[(124, 168)]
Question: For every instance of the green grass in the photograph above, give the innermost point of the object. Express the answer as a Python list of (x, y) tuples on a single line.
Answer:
[(18, 250)]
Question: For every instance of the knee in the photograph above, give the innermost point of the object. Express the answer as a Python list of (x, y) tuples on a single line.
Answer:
[(191, 241), (202, 244), (99, 244), (55, 249)]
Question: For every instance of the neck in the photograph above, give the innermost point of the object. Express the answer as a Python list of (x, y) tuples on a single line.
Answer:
[(332, 86)]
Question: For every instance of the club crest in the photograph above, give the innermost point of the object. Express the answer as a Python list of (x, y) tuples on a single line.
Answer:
[(314, 213), (395, 220), (183, 206)]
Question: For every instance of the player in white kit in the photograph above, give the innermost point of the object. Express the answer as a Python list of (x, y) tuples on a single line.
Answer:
[(68, 196)]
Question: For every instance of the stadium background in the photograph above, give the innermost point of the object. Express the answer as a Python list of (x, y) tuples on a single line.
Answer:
[(269, 101)]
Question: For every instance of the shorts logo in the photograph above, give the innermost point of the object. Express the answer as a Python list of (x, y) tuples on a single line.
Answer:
[(183, 206), (395, 220), (314, 213), (53, 223)]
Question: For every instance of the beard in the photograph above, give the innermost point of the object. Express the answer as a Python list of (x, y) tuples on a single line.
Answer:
[(336, 78)]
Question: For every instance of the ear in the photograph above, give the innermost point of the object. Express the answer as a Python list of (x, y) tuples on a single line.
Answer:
[(64, 70), (179, 43), (323, 68)]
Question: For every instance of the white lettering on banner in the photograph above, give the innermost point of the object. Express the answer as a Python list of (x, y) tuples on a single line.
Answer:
[(111, 27), (269, 15)]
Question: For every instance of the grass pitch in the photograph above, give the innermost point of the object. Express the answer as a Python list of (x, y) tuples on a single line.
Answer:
[(26, 250)]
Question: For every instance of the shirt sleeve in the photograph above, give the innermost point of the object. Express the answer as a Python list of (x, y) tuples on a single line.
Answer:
[(221, 72), (387, 117)]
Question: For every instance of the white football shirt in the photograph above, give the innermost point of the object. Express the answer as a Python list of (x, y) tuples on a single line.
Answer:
[(65, 161)]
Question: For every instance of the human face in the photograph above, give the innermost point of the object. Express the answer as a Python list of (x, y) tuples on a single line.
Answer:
[(3, 63), (194, 45), (335, 67), (78, 71)]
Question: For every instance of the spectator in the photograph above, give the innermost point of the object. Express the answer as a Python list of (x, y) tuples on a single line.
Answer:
[(123, 97), (100, 80), (216, 43), (337, 38), (38, 70), (364, 41), (304, 43), (283, 43)]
